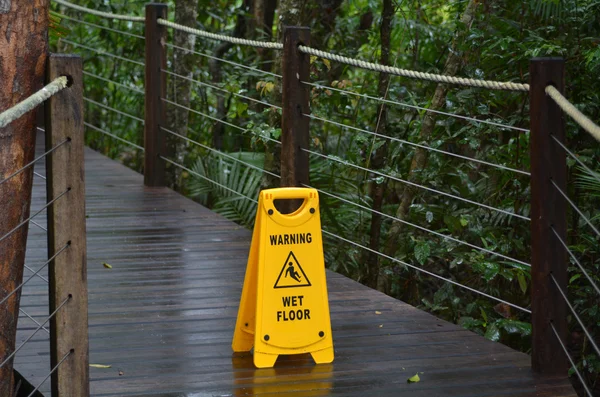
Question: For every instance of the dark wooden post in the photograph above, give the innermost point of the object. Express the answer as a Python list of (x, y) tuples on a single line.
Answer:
[(295, 133), (548, 210), (66, 225), (155, 87)]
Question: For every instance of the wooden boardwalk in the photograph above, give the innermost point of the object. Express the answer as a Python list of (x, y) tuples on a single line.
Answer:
[(163, 316)]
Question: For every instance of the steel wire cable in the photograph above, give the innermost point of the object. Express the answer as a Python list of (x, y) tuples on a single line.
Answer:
[(583, 327), (391, 138), (206, 178), (239, 65), (34, 320), (221, 89), (572, 255), (113, 110), (103, 14), (446, 237), (113, 136), (39, 175), (38, 225), (35, 161), (220, 153), (34, 215), (426, 272), (35, 273), (134, 89), (103, 53), (588, 169), (50, 374), (438, 78), (585, 218), (416, 185), (573, 365), (35, 332), (137, 36), (415, 107), (584, 122)]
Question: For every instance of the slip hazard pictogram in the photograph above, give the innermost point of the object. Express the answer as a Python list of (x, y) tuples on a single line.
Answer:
[(291, 274)]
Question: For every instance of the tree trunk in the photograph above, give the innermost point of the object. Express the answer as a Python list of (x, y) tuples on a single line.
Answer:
[(186, 12), (452, 66), (378, 157), (23, 51)]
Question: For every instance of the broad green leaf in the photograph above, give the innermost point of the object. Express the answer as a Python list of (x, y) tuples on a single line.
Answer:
[(422, 251), (492, 333), (414, 379), (522, 282), (106, 265)]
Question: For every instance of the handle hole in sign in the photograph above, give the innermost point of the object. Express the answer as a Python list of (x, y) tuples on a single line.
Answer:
[(288, 206)]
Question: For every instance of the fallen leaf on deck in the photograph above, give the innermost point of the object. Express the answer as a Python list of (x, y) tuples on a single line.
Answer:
[(100, 366), (414, 379), (377, 312), (380, 325), (106, 265), (120, 373)]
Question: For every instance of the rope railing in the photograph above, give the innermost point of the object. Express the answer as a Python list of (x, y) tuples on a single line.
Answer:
[(102, 53), (415, 107), (68, 18), (584, 122), (111, 109), (10, 356), (33, 101), (33, 216), (26, 166), (220, 153), (573, 365), (93, 127), (429, 148), (394, 178), (234, 64)]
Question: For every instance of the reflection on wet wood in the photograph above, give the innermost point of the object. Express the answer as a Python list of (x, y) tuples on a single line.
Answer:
[(162, 317)]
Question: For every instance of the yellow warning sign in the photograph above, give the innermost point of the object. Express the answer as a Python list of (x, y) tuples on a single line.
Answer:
[(284, 307)]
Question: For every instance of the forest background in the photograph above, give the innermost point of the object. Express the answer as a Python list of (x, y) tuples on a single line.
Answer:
[(227, 98)]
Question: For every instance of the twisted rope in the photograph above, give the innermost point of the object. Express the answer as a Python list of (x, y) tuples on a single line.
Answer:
[(100, 13), (580, 118), (221, 37), (439, 78), (33, 101)]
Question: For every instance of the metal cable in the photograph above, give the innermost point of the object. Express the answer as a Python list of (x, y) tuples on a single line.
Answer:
[(438, 78), (34, 215), (572, 255), (134, 89), (585, 218), (103, 14), (137, 36), (112, 135), (221, 153), (103, 53), (51, 372), (562, 293), (35, 273), (114, 110), (416, 144), (34, 161), (35, 332), (427, 272), (450, 238), (38, 225), (204, 115), (220, 37), (415, 107), (417, 185), (235, 64), (580, 118), (205, 178), (221, 89), (39, 175), (34, 320), (573, 365), (588, 169), (32, 101)]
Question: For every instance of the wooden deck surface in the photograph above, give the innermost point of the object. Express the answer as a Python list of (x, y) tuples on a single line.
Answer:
[(163, 316)]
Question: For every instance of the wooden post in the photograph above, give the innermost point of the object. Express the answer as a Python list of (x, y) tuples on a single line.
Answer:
[(155, 87), (66, 223), (295, 133), (548, 210)]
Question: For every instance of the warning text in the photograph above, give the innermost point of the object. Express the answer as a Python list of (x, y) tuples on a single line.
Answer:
[(293, 314), (287, 239)]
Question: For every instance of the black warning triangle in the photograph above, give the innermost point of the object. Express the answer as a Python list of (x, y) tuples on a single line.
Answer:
[(291, 274)]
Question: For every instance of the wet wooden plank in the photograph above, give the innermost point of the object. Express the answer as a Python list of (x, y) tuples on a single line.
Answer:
[(163, 316)]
